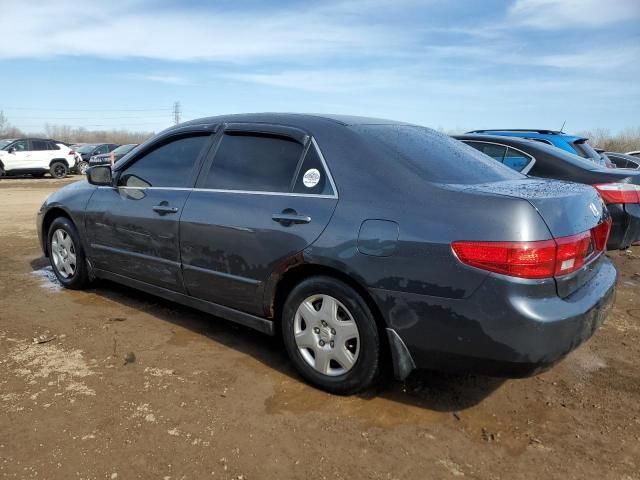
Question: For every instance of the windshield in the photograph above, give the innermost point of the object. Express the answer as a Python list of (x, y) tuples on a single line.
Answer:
[(4, 143), (122, 149), (437, 157), (87, 148)]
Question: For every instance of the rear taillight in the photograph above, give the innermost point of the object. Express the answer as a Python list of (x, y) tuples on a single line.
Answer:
[(541, 259), (618, 192)]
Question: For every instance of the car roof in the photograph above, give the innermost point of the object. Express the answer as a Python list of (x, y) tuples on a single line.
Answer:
[(300, 120), (534, 130), (36, 138), (533, 133)]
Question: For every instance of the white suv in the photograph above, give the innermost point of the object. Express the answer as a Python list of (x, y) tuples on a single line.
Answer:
[(36, 156)]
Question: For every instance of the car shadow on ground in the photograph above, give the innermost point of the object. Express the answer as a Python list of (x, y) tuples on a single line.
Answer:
[(430, 390)]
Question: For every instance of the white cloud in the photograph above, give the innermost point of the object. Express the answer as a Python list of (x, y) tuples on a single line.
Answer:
[(569, 14), (160, 78), (139, 28)]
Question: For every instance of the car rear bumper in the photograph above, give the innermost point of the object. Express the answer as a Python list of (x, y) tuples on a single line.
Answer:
[(507, 328), (626, 225)]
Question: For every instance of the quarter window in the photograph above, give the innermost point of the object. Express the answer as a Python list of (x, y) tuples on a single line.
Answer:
[(312, 177), (254, 163), (170, 165)]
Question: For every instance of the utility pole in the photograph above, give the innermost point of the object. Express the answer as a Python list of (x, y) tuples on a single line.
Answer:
[(176, 112)]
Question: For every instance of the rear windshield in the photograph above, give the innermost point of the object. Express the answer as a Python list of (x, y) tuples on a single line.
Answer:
[(434, 156), (587, 151)]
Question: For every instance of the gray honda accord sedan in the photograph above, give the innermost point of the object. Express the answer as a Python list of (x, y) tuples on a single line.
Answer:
[(359, 240)]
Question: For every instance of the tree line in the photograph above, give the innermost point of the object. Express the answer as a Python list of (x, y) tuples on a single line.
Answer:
[(68, 134)]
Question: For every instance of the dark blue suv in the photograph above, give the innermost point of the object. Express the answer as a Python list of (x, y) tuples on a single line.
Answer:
[(569, 143)]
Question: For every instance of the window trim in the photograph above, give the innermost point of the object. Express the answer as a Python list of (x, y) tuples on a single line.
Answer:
[(526, 168), (274, 130), (195, 169)]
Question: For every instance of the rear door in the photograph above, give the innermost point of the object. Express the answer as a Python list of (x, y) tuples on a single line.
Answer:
[(133, 228), (40, 155), (263, 197)]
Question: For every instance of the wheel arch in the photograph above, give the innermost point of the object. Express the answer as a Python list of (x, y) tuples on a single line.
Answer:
[(62, 160)]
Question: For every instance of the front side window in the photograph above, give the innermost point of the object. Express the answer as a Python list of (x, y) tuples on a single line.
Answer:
[(169, 165), (20, 146), (254, 163)]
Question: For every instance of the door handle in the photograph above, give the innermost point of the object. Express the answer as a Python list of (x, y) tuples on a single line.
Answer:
[(287, 219), (164, 209)]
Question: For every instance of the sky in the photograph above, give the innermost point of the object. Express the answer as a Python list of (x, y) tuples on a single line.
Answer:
[(452, 65)]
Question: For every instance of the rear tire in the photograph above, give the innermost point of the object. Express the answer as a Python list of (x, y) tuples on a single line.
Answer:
[(331, 335), (59, 170), (66, 254)]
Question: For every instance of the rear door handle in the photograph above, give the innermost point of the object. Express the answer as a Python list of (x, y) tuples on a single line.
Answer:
[(287, 219), (164, 209)]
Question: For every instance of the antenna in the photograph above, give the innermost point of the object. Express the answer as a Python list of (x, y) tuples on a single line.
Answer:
[(562, 127), (176, 112)]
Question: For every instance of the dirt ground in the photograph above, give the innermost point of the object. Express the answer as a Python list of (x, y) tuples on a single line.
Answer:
[(204, 398)]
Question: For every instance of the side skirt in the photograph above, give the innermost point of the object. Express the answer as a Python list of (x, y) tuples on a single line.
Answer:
[(261, 324)]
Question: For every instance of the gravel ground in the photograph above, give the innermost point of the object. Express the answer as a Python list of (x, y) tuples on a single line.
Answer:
[(132, 386)]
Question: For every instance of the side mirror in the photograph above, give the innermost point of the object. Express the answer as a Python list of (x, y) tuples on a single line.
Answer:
[(12, 150), (100, 175)]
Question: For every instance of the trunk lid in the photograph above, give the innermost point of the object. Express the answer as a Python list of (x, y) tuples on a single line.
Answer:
[(566, 208)]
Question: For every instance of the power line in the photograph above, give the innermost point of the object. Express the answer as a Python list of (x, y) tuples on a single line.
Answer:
[(97, 117), (91, 109)]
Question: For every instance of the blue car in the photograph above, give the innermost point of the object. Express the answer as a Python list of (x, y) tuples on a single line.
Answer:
[(559, 139)]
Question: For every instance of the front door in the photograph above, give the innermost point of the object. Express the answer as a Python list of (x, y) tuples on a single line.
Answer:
[(20, 156), (133, 228), (259, 202)]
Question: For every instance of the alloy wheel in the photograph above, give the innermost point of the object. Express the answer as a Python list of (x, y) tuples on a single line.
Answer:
[(63, 252)]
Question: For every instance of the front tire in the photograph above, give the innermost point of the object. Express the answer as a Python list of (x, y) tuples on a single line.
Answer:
[(59, 170), (67, 255), (331, 335), (82, 167)]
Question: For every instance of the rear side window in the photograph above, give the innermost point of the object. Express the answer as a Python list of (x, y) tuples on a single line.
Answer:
[(170, 165), (434, 156), (52, 146), (516, 160), (254, 163), (39, 145), (497, 152), (312, 177)]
